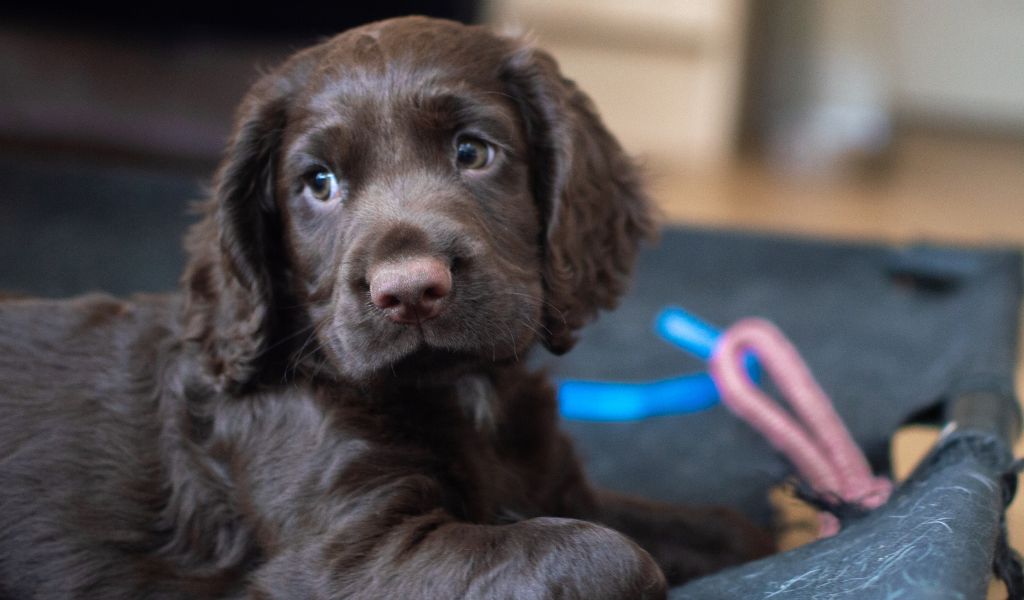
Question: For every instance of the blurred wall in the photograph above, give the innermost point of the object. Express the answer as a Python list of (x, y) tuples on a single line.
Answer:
[(665, 74), (960, 62), (821, 82)]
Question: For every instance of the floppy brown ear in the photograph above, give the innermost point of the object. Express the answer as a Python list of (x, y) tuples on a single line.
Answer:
[(236, 263), (590, 193)]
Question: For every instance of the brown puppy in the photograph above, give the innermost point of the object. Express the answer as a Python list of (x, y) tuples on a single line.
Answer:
[(334, 406)]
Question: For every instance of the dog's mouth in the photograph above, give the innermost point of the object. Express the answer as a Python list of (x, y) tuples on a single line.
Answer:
[(418, 351), (419, 363)]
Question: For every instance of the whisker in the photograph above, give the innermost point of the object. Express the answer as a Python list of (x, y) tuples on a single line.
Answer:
[(548, 303), (512, 336), (288, 337), (301, 356), (319, 367), (533, 327)]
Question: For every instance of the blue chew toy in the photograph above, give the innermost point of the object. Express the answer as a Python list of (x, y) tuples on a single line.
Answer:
[(617, 401)]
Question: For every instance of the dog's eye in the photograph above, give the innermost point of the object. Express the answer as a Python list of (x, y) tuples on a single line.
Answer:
[(322, 184), (471, 153)]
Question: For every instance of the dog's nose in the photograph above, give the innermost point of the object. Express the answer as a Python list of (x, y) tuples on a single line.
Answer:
[(412, 289)]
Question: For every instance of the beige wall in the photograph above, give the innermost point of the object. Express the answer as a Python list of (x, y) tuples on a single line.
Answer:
[(665, 74), (960, 61)]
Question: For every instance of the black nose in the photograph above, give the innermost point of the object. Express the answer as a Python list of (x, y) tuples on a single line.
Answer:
[(410, 290)]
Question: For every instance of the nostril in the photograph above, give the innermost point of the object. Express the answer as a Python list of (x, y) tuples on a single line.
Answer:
[(385, 301), (437, 282), (435, 292)]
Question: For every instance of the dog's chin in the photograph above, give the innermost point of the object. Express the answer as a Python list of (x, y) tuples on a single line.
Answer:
[(429, 366), (423, 367), (415, 359)]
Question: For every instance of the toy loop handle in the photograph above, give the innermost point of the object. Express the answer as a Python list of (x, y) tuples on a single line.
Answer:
[(817, 443)]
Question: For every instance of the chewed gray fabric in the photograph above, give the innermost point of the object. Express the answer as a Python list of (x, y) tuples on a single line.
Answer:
[(887, 331), (933, 540)]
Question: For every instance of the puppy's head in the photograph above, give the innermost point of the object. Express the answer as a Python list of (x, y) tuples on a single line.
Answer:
[(409, 197)]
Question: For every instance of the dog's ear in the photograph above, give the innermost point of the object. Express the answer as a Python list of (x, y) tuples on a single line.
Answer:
[(590, 192), (232, 282)]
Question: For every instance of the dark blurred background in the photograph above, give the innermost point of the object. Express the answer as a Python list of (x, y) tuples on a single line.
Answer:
[(112, 120), (884, 120)]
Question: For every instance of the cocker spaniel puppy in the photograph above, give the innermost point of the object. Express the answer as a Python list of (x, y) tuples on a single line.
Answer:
[(335, 404)]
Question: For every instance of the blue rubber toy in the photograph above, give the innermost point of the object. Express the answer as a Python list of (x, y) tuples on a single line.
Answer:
[(617, 401)]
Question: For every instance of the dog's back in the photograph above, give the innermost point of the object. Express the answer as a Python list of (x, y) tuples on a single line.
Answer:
[(80, 474)]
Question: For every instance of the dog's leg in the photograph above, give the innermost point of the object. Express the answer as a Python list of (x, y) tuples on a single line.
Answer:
[(686, 542), (433, 556)]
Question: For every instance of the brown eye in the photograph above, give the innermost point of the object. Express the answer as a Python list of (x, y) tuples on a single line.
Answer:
[(471, 153), (321, 184)]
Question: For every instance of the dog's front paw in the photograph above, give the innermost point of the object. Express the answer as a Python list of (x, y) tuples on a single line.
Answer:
[(586, 560)]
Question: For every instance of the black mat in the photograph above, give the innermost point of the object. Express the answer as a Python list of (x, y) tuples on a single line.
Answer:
[(893, 335)]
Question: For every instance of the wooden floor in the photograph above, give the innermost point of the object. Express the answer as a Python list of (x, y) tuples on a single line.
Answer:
[(940, 188), (935, 187)]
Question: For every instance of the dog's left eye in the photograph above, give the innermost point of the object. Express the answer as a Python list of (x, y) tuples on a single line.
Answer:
[(322, 184), (471, 153)]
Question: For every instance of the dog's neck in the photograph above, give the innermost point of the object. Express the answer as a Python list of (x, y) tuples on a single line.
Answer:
[(468, 389)]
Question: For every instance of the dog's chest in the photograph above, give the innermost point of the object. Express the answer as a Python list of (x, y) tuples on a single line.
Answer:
[(461, 444), (313, 448)]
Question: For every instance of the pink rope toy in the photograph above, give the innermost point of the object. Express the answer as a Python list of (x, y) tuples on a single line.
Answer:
[(816, 442)]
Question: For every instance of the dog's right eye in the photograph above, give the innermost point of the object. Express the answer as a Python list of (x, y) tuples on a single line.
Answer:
[(472, 153), (322, 184)]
